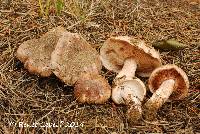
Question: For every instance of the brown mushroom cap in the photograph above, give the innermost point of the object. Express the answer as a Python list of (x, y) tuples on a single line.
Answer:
[(92, 88), (116, 49), (73, 56), (170, 72), (36, 53)]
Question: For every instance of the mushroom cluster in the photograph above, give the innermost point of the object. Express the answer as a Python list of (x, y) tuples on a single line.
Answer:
[(126, 55), (73, 60)]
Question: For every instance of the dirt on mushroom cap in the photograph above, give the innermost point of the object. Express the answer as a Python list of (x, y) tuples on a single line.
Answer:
[(170, 72), (73, 56), (116, 50), (92, 88), (36, 53)]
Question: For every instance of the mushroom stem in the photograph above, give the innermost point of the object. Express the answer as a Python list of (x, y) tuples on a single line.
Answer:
[(134, 111), (158, 98), (128, 69)]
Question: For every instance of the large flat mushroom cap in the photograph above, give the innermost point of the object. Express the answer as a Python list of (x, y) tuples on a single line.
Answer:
[(73, 56), (170, 72), (116, 49), (36, 53)]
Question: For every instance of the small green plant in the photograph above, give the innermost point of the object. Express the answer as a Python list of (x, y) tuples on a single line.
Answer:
[(44, 9), (80, 9), (59, 6)]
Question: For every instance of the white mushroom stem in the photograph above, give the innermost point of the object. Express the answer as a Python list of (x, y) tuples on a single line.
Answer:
[(128, 70), (159, 98), (161, 95)]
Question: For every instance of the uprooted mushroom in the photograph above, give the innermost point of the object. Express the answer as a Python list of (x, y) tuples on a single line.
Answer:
[(75, 62), (36, 53), (125, 56), (167, 82)]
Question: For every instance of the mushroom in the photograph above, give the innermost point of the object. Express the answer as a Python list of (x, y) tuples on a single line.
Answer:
[(130, 93), (117, 50), (124, 55), (75, 62), (36, 53), (92, 88), (168, 82)]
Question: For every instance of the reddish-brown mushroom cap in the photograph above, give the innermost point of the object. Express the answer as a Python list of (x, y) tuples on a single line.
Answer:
[(167, 72), (36, 53), (92, 88), (116, 49)]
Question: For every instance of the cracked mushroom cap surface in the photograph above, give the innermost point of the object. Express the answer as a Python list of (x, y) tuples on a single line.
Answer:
[(73, 56), (36, 53), (129, 88), (92, 88), (116, 49), (167, 72)]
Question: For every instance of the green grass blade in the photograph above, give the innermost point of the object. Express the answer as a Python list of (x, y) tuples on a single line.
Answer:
[(47, 7), (41, 7), (59, 6)]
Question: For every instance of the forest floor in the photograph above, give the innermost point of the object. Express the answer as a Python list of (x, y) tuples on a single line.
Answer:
[(27, 98)]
